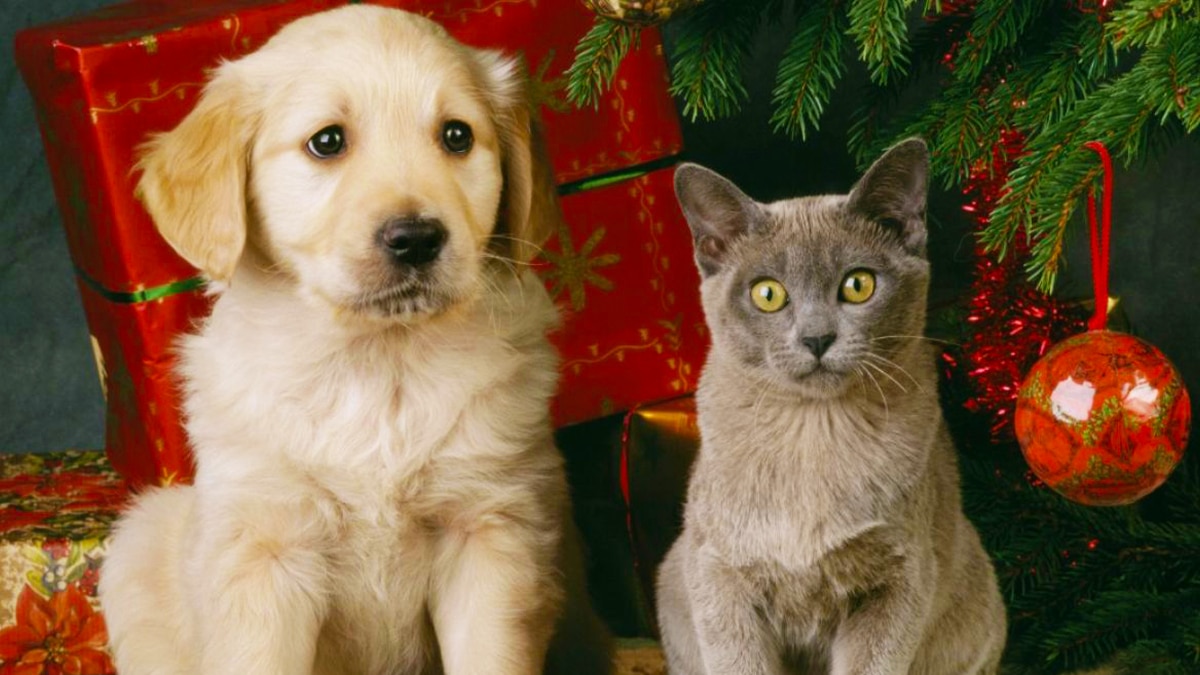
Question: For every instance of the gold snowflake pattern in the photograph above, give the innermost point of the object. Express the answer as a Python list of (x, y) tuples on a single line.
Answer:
[(572, 270), (545, 90)]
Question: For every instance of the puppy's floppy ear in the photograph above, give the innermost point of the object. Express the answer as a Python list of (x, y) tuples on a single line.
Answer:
[(529, 210), (194, 177)]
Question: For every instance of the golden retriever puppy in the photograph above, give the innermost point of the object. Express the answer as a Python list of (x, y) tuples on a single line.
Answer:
[(377, 488)]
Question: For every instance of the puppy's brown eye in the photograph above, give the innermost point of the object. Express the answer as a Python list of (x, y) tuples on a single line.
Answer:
[(457, 137), (328, 142)]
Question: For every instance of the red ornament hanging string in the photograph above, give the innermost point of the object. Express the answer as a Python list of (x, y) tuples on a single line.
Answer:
[(1100, 237)]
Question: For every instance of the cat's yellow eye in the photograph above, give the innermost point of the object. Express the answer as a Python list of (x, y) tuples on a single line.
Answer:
[(858, 287), (768, 295)]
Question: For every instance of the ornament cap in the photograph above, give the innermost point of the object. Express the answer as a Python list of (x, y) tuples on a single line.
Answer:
[(640, 12)]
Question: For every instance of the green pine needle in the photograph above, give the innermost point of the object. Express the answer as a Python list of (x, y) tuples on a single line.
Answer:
[(881, 120), (713, 41), (1050, 83), (879, 28), (1174, 75), (810, 69), (997, 26), (1144, 23), (597, 57)]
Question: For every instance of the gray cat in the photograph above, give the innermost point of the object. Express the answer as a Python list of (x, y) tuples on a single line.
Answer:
[(823, 531)]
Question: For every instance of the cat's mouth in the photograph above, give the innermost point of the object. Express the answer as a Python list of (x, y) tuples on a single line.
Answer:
[(820, 379)]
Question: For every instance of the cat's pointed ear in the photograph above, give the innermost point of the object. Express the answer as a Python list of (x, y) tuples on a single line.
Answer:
[(892, 192), (716, 211)]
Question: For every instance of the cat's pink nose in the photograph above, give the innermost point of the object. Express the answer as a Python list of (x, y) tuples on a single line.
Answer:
[(818, 345)]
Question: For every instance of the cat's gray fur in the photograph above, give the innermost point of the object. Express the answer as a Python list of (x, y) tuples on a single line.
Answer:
[(823, 530)]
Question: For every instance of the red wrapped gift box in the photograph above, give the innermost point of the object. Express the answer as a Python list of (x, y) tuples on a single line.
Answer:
[(104, 81), (137, 377), (623, 273)]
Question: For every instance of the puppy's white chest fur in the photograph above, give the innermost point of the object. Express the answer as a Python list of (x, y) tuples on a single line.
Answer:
[(313, 392), (391, 447)]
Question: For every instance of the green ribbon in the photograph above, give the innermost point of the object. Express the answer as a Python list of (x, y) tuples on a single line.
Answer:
[(144, 295), (618, 176)]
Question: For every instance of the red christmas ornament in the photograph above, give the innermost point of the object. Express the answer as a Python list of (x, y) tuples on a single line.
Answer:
[(1103, 418)]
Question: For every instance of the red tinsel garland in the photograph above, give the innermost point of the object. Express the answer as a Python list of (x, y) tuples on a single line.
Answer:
[(1010, 324)]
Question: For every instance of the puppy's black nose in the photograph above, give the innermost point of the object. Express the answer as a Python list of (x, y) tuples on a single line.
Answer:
[(818, 345), (413, 241)]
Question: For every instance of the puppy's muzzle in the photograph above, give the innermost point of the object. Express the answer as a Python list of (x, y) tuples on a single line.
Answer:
[(413, 241)]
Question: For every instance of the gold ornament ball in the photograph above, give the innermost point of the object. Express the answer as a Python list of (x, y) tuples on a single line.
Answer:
[(640, 12)]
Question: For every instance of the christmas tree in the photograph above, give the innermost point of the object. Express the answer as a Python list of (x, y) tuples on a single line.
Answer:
[(1019, 86), (1059, 72)]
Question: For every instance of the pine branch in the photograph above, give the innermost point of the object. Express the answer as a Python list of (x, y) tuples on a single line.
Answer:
[(1116, 115), (1143, 23), (960, 130), (1056, 171), (597, 57), (713, 41), (809, 70), (876, 125), (1174, 75), (1153, 657), (1111, 620), (1041, 67), (1049, 84), (998, 26), (879, 27)]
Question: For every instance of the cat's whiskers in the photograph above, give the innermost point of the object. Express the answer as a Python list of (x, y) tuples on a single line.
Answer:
[(763, 393), (915, 337), (862, 381), (888, 362), (886, 374), (887, 412)]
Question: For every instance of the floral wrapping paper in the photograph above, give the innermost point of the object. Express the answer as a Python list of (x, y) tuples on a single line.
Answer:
[(102, 82), (55, 514)]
